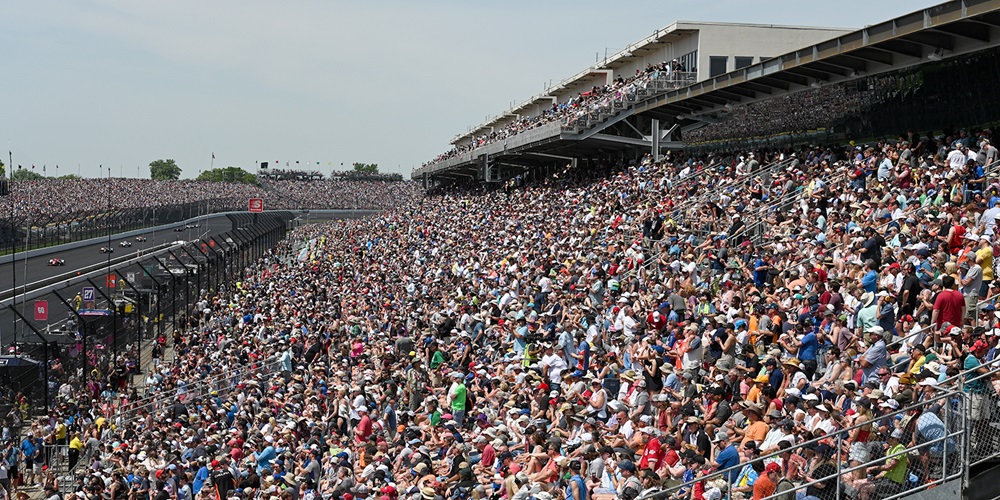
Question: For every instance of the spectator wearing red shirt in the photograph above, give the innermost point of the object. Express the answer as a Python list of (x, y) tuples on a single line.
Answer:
[(364, 428), (486, 449), (652, 453), (949, 305), (656, 321)]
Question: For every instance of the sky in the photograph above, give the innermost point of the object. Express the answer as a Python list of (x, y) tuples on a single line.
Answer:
[(99, 85)]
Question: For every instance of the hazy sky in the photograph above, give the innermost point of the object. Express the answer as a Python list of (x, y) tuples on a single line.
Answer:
[(124, 82)]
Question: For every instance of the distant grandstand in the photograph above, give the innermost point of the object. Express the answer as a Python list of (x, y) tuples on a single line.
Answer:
[(832, 86), (315, 175), (289, 175)]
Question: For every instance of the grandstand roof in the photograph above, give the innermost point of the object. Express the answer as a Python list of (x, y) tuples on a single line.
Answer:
[(639, 51), (942, 31)]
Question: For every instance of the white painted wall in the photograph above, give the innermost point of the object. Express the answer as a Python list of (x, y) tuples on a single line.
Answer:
[(759, 41)]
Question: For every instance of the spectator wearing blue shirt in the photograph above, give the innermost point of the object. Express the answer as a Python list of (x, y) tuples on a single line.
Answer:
[(728, 457), (805, 349), (264, 457), (200, 478), (808, 347), (760, 269), (582, 353), (774, 374), (870, 279), (286, 358), (30, 451)]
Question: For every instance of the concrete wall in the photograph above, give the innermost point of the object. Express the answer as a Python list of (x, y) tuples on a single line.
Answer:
[(759, 41)]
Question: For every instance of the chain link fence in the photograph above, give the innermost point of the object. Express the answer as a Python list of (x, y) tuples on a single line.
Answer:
[(91, 329)]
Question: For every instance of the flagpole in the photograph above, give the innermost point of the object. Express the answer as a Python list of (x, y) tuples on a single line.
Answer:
[(13, 237)]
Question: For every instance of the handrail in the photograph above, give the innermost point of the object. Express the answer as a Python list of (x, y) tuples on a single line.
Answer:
[(990, 300), (957, 391), (956, 473), (776, 455), (132, 410)]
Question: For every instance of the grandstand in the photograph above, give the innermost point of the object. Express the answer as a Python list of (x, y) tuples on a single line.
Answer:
[(654, 113), (289, 175), (754, 315)]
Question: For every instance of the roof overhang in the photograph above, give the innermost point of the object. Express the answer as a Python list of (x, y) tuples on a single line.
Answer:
[(943, 31)]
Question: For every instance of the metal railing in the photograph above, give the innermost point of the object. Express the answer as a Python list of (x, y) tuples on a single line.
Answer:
[(982, 304), (222, 383), (965, 433), (645, 87)]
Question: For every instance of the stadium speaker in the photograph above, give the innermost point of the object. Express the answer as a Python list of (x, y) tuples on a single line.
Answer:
[(4, 188), (263, 165)]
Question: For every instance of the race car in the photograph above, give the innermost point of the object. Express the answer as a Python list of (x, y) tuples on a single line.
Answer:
[(140, 238), (107, 249), (192, 226), (57, 262), (179, 229), (125, 244)]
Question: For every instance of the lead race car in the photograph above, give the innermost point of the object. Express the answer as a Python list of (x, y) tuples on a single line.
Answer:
[(125, 244), (56, 262)]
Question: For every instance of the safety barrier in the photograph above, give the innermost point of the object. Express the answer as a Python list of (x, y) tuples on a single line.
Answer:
[(82, 326)]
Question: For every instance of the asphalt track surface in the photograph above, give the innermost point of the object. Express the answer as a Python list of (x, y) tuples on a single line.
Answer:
[(37, 268), (77, 258)]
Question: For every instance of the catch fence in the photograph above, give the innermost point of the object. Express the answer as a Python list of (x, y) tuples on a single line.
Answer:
[(89, 330)]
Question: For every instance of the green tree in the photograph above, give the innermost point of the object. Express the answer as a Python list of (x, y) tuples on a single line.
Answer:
[(164, 170), (228, 174), (69, 176), (25, 174), (366, 168)]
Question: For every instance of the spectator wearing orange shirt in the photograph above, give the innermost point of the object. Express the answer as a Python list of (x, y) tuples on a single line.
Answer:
[(758, 383), (756, 430), (767, 483)]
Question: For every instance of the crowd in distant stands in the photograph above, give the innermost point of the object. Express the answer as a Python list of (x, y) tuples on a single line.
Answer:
[(704, 326), (44, 199), (800, 112), (340, 193), (598, 98)]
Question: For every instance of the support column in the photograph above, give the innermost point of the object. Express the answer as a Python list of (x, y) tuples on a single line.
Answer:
[(656, 140)]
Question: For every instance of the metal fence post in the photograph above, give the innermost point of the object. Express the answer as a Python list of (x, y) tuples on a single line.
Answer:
[(944, 460), (840, 461)]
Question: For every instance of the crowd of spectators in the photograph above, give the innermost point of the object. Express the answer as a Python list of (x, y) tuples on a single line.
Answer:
[(600, 98), (343, 192), (591, 334), (41, 200), (815, 108)]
